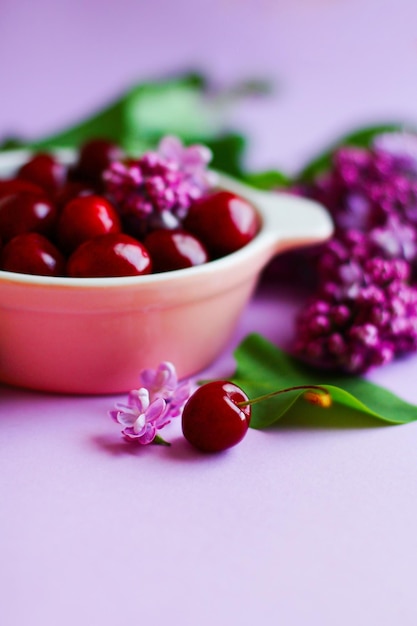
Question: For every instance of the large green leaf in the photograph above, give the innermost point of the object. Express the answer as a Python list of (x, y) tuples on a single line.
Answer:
[(263, 368), (144, 113), (267, 180)]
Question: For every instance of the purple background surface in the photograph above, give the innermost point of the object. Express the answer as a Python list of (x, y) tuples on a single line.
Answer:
[(296, 525)]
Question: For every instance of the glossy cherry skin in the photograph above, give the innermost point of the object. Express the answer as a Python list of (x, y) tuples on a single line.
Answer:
[(71, 190), (223, 221), (114, 254), (26, 212), (32, 253), (212, 421), (86, 217), (94, 157), (16, 185), (174, 250), (45, 171)]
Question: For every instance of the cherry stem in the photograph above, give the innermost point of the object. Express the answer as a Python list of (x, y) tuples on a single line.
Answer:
[(322, 391)]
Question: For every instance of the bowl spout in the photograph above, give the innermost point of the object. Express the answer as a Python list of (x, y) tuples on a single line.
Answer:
[(288, 220)]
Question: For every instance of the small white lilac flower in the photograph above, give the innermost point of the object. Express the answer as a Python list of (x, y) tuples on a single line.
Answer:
[(163, 383), (187, 158), (396, 238), (160, 382), (151, 407), (140, 417), (398, 144), (192, 160)]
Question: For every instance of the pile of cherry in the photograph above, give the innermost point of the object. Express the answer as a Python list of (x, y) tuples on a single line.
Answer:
[(55, 220)]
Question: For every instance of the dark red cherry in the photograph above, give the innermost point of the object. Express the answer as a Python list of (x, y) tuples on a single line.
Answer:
[(94, 157), (26, 212), (212, 419), (174, 250), (223, 221), (45, 171), (70, 190), (86, 217), (32, 253), (114, 254), (16, 185)]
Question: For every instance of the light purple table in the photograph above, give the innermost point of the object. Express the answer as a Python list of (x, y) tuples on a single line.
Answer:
[(294, 526)]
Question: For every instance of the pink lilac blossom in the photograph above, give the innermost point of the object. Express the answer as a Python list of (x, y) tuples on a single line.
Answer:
[(139, 416), (364, 310), (157, 189), (366, 186), (163, 383), (401, 145), (151, 407)]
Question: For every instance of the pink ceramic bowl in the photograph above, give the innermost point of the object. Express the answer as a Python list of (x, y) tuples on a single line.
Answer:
[(94, 335)]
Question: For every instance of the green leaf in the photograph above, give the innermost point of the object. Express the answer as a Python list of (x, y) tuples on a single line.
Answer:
[(270, 179), (263, 368), (362, 138), (143, 114), (228, 151)]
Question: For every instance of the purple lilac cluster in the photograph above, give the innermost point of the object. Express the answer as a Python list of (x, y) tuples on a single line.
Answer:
[(366, 186), (156, 189), (364, 311), (149, 408)]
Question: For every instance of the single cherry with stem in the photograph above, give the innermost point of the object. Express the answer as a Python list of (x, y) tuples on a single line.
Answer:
[(217, 415)]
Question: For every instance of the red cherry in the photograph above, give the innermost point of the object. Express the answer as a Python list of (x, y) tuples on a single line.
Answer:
[(174, 250), (26, 212), (16, 185), (94, 157), (44, 170), (114, 254), (86, 217), (217, 415), (212, 419), (71, 190), (32, 253), (223, 221)]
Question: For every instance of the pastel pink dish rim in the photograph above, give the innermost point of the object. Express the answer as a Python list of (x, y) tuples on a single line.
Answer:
[(94, 335)]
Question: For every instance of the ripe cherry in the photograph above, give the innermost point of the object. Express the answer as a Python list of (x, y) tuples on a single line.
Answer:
[(26, 212), (32, 253), (45, 171), (86, 217), (223, 221), (16, 185), (94, 157), (217, 415), (70, 190), (174, 250), (114, 254), (212, 419)]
